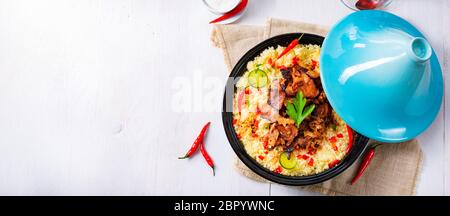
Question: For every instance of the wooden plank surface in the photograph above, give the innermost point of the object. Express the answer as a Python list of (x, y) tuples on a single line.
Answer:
[(87, 95)]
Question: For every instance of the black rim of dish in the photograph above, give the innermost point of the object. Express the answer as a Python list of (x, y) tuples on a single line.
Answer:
[(359, 142)]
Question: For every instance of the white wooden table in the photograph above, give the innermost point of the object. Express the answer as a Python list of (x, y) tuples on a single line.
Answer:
[(87, 90)]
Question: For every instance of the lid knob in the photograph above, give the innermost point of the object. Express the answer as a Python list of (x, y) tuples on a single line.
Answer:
[(420, 49)]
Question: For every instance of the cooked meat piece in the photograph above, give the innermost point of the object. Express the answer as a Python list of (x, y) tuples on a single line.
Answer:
[(300, 142), (308, 87), (302, 82), (272, 135), (318, 83), (268, 112), (313, 74), (287, 78), (316, 129), (322, 111), (287, 133), (293, 85), (285, 121), (308, 143), (322, 98), (286, 74), (276, 95), (317, 125), (313, 145), (300, 69), (280, 142)]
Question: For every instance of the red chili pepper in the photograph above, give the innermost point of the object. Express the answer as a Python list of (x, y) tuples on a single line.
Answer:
[(350, 138), (197, 142), (313, 64), (290, 46), (278, 170), (311, 162), (333, 163), (207, 157), (233, 12), (366, 161), (261, 157)]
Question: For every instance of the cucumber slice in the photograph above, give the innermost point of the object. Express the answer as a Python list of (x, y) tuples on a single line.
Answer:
[(287, 163), (258, 78)]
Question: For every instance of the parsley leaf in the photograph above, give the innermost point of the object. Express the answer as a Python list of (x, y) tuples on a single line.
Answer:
[(297, 110)]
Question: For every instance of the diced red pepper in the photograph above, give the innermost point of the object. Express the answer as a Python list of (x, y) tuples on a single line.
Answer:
[(304, 157), (282, 67), (258, 111), (271, 62), (334, 146), (333, 163), (313, 64), (266, 144), (311, 162), (266, 152), (294, 60), (234, 121), (238, 136), (261, 157), (339, 135), (255, 124), (247, 91), (311, 152), (278, 170), (333, 139)]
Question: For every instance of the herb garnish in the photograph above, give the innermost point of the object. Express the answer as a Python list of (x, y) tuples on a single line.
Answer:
[(297, 110)]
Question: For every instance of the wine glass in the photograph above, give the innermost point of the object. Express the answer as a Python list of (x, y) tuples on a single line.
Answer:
[(366, 4)]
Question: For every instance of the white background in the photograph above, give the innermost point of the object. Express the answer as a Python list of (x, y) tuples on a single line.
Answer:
[(86, 95)]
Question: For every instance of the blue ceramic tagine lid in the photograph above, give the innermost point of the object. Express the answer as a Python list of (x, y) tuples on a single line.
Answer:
[(381, 76)]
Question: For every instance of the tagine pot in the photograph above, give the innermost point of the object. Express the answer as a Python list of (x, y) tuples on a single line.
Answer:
[(381, 76)]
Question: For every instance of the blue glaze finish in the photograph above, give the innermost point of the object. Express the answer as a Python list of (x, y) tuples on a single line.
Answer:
[(381, 76)]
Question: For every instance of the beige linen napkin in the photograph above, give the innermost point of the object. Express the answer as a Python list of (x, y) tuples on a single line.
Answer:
[(395, 167)]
